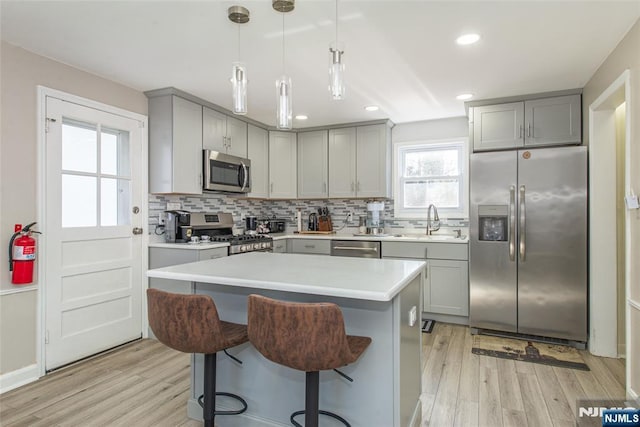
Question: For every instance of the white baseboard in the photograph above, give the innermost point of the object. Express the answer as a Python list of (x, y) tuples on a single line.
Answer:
[(622, 351), (19, 377)]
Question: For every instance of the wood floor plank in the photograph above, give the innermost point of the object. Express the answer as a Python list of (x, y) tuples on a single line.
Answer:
[(470, 372), (435, 365), (427, 407), (467, 414), (444, 407), (510, 395), (571, 387), (514, 418), (488, 362), (614, 389), (490, 409), (557, 404), (535, 407), (524, 367), (617, 369)]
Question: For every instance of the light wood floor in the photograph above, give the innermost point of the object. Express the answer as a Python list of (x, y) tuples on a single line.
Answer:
[(147, 384)]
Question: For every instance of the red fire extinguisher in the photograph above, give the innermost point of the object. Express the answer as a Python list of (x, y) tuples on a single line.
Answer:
[(22, 254)]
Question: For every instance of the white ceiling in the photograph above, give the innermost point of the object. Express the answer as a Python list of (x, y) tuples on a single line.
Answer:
[(400, 55)]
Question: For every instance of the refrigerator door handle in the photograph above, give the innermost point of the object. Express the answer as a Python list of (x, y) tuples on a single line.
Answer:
[(523, 225), (512, 223)]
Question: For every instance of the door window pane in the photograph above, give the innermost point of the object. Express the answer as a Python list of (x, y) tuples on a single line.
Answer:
[(79, 201), (115, 196), (114, 153), (79, 147)]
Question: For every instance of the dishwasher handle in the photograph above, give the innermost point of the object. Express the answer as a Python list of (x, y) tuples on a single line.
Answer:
[(356, 248)]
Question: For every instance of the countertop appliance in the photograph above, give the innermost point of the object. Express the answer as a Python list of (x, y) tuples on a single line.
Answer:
[(219, 228), (226, 173), (528, 242), (356, 248), (174, 228)]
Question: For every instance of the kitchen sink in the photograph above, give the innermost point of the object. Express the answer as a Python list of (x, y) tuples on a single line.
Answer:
[(433, 237)]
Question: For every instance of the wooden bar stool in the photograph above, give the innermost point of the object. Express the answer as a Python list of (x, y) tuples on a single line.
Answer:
[(308, 337), (190, 323)]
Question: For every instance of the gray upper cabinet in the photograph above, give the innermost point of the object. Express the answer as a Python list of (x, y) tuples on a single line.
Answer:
[(360, 161), (553, 121), (313, 168), (282, 165), (373, 161), (532, 123), (498, 126), (258, 153), (223, 133), (175, 145), (342, 162)]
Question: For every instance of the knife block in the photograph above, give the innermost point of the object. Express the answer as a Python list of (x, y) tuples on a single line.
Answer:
[(324, 223)]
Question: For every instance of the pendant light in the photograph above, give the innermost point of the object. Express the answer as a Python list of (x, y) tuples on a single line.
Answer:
[(336, 66), (284, 109), (239, 15)]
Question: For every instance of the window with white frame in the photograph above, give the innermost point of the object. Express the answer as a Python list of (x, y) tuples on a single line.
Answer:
[(431, 172)]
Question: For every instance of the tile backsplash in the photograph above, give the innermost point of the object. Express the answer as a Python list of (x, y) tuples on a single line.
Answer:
[(241, 207)]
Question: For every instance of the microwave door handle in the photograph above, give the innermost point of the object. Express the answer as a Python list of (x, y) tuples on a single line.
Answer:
[(245, 175)]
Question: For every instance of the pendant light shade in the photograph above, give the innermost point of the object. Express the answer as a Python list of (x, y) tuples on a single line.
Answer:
[(336, 66), (285, 107), (336, 73), (239, 86), (239, 15)]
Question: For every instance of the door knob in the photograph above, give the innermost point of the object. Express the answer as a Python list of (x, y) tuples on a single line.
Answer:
[(137, 230)]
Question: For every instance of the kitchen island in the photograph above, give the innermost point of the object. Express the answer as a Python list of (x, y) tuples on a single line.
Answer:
[(379, 298)]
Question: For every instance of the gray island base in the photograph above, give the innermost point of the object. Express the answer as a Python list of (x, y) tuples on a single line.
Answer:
[(379, 298)]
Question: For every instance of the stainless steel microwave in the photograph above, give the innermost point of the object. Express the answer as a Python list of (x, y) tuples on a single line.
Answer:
[(223, 172)]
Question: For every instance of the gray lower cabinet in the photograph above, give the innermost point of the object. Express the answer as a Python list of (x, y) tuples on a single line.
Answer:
[(446, 283), (164, 257), (311, 246), (280, 246)]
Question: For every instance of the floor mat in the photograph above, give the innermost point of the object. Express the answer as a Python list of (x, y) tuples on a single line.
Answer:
[(427, 325), (529, 351)]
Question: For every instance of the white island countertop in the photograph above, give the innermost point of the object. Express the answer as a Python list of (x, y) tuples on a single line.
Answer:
[(358, 278)]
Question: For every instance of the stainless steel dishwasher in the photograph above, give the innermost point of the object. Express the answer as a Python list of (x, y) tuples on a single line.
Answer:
[(355, 248)]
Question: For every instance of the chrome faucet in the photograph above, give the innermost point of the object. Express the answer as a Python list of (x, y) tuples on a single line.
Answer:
[(432, 224)]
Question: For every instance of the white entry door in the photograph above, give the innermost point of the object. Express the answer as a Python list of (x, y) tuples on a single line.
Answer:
[(93, 226)]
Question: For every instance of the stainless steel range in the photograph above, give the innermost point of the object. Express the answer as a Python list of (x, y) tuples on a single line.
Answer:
[(219, 228)]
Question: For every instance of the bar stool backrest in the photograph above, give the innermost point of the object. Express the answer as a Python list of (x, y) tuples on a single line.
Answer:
[(187, 323), (304, 336)]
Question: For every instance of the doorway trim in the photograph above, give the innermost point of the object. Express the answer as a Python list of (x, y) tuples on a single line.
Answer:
[(602, 272), (42, 93)]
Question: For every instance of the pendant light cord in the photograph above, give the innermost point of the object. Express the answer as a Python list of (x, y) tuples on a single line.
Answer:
[(239, 56), (336, 24), (282, 43)]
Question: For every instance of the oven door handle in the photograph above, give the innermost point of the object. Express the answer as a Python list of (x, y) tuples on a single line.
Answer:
[(244, 176)]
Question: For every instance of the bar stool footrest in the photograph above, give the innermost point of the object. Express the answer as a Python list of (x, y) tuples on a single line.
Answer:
[(327, 413), (234, 396)]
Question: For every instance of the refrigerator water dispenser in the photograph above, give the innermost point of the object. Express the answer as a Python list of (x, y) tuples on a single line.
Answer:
[(492, 221)]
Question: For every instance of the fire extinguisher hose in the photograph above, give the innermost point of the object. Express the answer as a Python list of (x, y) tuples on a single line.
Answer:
[(25, 230)]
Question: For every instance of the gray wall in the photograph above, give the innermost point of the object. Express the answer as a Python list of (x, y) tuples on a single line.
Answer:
[(21, 71)]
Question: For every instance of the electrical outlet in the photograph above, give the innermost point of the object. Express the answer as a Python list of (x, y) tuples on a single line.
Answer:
[(173, 206), (349, 216), (162, 218)]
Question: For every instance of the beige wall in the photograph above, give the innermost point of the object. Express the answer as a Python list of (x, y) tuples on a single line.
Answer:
[(625, 56), (20, 73)]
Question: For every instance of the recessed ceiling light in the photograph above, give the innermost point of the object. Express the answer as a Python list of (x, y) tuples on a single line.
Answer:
[(301, 117), (464, 96), (372, 108), (467, 39)]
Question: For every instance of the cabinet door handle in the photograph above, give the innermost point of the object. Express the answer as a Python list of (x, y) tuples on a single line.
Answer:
[(521, 131), (529, 131), (352, 187), (324, 187), (271, 188), (358, 186), (310, 246)]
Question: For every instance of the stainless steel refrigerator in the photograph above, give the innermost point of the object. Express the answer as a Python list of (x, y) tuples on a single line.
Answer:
[(528, 242)]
